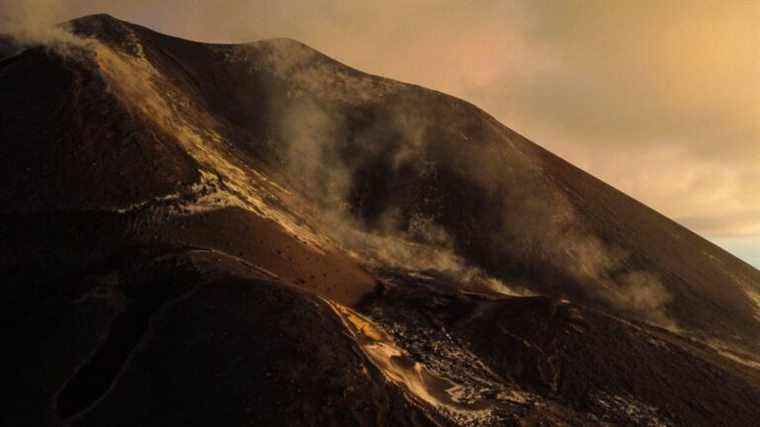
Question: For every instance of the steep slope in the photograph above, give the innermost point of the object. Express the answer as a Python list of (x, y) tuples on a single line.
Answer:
[(163, 201), (181, 336), (534, 356), (402, 161)]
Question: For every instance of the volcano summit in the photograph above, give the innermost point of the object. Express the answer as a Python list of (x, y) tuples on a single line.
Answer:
[(256, 234)]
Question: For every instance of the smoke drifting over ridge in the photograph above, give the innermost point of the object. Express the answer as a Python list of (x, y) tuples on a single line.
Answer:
[(359, 164), (670, 85), (36, 23), (358, 174), (229, 190)]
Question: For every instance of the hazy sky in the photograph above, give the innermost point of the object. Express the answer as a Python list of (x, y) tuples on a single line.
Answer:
[(659, 98)]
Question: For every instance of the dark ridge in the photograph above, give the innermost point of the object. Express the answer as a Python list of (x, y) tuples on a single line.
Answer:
[(98, 374), (571, 353), (127, 268), (95, 24)]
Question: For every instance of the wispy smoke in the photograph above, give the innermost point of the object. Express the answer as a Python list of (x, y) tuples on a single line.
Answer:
[(34, 23), (549, 234), (603, 269), (323, 162), (348, 156), (330, 157)]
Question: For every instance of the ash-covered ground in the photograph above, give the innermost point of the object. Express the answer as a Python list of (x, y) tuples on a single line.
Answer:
[(256, 234)]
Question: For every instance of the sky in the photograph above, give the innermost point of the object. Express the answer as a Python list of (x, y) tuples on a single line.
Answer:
[(660, 99)]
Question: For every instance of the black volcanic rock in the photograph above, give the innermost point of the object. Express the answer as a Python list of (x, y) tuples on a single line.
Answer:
[(258, 234), (187, 336), (582, 359)]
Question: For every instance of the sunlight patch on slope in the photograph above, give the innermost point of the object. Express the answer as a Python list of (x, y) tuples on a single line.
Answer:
[(140, 205), (513, 291), (741, 360), (728, 352), (413, 377), (226, 179)]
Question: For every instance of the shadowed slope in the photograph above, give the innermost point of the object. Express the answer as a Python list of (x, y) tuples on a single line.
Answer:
[(402, 160), (163, 200)]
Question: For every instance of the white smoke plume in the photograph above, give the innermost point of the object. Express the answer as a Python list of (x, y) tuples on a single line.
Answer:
[(35, 23), (542, 223)]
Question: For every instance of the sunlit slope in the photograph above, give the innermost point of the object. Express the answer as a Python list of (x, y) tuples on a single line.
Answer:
[(256, 233), (391, 159)]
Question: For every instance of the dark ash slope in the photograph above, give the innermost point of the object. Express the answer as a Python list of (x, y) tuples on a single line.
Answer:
[(185, 225)]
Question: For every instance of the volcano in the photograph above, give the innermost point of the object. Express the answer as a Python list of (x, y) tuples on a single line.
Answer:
[(257, 234)]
